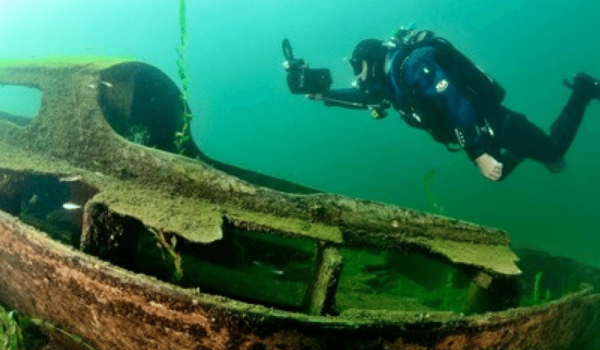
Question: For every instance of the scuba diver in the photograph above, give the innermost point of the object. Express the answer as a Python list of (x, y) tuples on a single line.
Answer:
[(436, 88)]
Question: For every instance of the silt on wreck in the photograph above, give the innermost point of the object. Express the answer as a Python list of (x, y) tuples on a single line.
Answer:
[(163, 251)]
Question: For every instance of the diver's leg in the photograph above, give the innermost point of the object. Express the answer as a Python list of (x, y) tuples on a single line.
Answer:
[(526, 140), (562, 132), (519, 138), (564, 128)]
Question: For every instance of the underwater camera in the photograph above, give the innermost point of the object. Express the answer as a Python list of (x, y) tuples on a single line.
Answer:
[(300, 78)]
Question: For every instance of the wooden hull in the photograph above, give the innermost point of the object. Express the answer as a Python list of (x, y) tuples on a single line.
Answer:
[(116, 309), (71, 173)]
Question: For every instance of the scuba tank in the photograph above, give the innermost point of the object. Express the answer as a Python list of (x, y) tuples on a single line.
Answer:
[(481, 88)]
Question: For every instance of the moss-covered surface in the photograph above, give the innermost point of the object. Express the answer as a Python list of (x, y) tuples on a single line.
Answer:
[(95, 62), (19, 332), (190, 203), (181, 195), (399, 282), (114, 308), (11, 335)]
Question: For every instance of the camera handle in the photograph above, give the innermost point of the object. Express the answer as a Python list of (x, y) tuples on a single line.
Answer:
[(291, 63), (287, 49)]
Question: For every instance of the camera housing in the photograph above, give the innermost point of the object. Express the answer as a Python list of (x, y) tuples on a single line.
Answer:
[(309, 81), (300, 78)]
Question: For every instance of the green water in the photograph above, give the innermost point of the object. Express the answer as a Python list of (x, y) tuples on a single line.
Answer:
[(245, 115)]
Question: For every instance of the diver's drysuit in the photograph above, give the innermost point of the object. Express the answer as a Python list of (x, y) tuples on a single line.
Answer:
[(438, 89)]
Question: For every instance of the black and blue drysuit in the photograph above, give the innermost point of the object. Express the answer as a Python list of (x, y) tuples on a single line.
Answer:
[(430, 96)]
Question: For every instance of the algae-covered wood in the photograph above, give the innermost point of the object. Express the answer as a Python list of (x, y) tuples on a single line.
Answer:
[(82, 105), (92, 110), (112, 308)]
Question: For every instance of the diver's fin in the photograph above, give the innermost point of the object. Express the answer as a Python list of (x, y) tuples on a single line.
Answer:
[(557, 167)]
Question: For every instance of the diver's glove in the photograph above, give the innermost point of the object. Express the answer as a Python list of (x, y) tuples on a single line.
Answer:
[(585, 86)]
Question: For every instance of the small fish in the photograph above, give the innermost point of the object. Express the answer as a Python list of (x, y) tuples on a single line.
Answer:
[(107, 84), (71, 206), (70, 178), (268, 269), (92, 86), (33, 199)]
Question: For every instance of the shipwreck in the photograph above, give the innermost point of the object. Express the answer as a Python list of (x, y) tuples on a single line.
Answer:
[(110, 235)]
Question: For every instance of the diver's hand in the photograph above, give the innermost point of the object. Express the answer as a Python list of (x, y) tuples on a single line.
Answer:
[(314, 96), (489, 167)]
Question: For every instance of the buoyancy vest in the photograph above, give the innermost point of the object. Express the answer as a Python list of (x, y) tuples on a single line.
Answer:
[(481, 89)]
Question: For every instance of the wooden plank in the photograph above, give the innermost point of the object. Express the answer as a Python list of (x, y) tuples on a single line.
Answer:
[(320, 296)]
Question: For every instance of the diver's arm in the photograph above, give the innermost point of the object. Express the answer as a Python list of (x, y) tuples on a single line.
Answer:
[(347, 98), (430, 81), (477, 144), (474, 142)]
